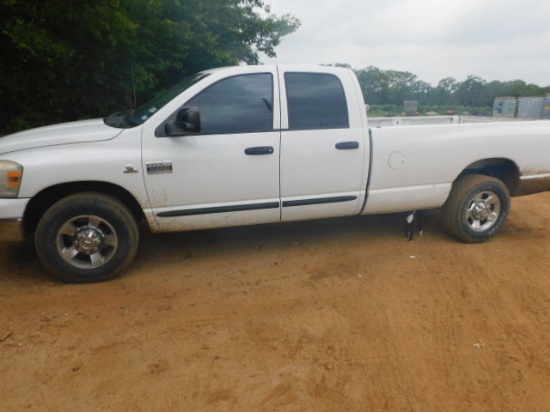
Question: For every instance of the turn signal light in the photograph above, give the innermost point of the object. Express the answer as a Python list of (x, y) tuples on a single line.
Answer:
[(11, 175), (14, 178)]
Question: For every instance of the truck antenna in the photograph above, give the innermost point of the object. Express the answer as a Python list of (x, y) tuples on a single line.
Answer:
[(133, 85)]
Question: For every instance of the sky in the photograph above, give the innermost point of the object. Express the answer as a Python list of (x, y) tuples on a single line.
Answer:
[(493, 39)]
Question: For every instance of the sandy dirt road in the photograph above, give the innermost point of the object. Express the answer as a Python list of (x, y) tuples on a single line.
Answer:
[(333, 315)]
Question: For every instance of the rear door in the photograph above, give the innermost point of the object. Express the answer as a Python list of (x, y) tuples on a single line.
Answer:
[(323, 150)]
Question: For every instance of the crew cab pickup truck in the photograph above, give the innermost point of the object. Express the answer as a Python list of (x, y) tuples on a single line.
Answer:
[(252, 145)]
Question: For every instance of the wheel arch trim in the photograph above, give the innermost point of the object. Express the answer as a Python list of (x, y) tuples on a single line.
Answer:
[(503, 169), (44, 199)]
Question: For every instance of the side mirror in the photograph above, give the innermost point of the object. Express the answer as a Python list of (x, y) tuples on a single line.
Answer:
[(188, 121)]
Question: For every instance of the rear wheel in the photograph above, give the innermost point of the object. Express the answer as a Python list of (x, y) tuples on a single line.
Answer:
[(476, 209), (87, 237)]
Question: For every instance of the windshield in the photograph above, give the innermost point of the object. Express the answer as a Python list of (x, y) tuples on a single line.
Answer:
[(132, 118)]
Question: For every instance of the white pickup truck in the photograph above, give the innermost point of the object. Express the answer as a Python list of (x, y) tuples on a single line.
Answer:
[(249, 145)]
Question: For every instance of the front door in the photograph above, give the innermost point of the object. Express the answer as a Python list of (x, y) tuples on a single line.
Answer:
[(228, 174)]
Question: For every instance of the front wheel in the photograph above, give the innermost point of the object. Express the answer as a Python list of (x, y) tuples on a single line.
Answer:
[(87, 237), (476, 209)]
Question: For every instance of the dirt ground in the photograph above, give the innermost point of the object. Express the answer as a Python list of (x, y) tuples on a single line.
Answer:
[(332, 315)]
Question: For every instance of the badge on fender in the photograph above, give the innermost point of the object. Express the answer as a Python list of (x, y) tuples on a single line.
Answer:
[(159, 167)]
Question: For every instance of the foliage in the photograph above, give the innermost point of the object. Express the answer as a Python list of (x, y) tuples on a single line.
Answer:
[(390, 87), (67, 59)]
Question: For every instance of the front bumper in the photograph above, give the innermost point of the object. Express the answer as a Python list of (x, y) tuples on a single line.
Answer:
[(11, 219)]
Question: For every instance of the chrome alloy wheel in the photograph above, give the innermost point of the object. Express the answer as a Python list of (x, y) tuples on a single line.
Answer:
[(86, 241), (483, 211)]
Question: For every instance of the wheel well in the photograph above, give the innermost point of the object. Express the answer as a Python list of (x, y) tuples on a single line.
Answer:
[(41, 202), (503, 169)]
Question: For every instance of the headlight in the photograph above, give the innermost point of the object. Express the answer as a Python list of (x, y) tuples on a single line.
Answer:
[(10, 178)]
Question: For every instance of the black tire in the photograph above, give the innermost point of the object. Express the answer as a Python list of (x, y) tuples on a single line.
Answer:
[(476, 209), (87, 237)]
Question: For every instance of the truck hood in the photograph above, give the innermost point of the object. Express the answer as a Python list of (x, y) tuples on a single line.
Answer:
[(59, 134)]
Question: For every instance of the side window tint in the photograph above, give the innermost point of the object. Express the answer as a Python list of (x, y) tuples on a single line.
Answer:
[(315, 101), (240, 104)]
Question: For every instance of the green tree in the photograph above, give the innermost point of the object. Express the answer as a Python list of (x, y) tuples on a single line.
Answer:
[(444, 93), (400, 86), (54, 48), (70, 59), (473, 92), (374, 85)]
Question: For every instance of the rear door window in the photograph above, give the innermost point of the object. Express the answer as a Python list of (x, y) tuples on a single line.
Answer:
[(315, 101)]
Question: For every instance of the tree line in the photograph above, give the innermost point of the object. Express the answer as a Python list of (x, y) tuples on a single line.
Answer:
[(394, 87), (65, 60)]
